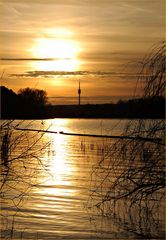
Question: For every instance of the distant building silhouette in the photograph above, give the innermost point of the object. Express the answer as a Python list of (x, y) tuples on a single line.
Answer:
[(79, 94)]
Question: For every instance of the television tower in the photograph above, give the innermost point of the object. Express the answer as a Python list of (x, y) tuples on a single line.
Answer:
[(79, 94)]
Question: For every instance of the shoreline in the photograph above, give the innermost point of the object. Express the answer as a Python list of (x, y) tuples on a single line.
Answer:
[(129, 110), (138, 108)]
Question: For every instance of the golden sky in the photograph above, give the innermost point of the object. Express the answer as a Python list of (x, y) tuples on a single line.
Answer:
[(51, 44)]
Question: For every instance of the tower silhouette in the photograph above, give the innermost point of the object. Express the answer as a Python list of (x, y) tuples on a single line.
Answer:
[(79, 94)]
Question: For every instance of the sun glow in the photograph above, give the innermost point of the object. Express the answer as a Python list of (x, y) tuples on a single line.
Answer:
[(56, 65), (55, 48), (59, 49)]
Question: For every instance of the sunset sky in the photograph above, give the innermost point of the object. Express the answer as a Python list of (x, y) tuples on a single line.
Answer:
[(51, 44)]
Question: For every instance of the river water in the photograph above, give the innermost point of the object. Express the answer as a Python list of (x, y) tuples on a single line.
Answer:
[(47, 183)]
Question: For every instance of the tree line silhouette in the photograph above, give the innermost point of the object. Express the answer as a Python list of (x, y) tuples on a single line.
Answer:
[(32, 103), (27, 103)]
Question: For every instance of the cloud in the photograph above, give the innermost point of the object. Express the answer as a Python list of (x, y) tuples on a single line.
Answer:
[(102, 74), (33, 59), (111, 33), (61, 2), (52, 73)]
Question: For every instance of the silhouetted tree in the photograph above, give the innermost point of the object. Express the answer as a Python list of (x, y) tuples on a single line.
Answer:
[(9, 102), (32, 102), (33, 96)]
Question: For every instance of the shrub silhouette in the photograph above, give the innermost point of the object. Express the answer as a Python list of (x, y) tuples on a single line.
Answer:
[(30, 96), (32, 102), (132, 172), (9, 102)]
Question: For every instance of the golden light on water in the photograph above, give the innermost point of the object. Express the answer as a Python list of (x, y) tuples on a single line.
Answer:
[(59, 168)]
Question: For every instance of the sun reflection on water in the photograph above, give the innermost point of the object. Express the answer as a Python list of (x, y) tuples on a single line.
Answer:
[(59, 166), (56, 181)]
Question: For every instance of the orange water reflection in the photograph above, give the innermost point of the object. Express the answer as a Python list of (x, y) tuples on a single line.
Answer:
[(57, 179)]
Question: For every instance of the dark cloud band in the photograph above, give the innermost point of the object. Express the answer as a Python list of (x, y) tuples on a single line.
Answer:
[(72, 73)]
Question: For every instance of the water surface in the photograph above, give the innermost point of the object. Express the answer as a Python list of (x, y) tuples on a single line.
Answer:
[(47, 190)]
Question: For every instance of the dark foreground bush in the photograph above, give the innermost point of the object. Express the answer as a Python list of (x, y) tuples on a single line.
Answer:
[(132, 172)]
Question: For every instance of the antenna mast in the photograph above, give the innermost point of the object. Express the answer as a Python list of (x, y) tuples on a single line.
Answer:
[(79, 94)]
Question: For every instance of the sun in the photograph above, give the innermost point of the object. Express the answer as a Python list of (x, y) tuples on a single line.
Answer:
[(59, 49), (55, 48)]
